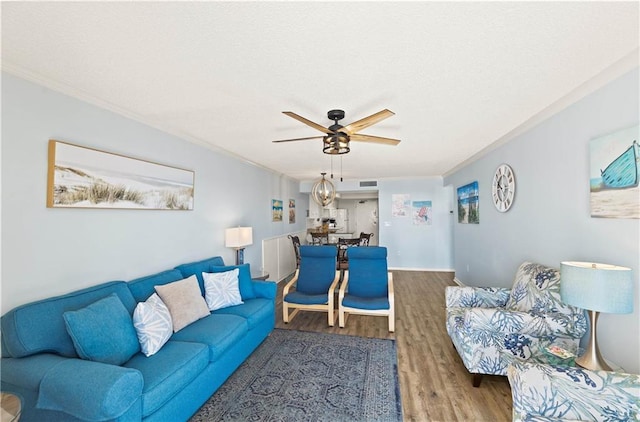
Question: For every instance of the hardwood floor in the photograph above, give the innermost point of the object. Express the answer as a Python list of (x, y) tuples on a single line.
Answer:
[(434, 384)]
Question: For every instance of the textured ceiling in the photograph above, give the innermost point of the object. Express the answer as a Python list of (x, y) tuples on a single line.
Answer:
[(460, 76)]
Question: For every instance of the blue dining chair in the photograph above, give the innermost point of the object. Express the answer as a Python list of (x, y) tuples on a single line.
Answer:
[(315, 283), (367, 286)]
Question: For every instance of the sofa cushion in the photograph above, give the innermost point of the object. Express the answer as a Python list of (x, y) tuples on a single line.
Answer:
[(184, 301), (221, 289), (103, 331), (199, 267), (244, 278), (253, 310), (218, 331), (39, 327), (153, 324), (168, 372), (142, 288)]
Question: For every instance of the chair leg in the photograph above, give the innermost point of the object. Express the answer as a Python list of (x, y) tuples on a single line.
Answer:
[(477, 379), (342, 318)]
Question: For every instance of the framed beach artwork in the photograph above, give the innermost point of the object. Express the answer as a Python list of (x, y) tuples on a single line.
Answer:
[(400, 204), (614, 173), (468, 204), (292, 211), (81, 177), (276, 209), (421, 213)]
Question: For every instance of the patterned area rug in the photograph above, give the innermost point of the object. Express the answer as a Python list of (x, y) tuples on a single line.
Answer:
[(304, 376)]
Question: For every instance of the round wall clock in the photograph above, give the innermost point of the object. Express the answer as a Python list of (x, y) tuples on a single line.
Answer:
[(503, 188)]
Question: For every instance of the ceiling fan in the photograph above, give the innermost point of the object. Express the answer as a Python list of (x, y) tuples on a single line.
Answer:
[(337, 137)]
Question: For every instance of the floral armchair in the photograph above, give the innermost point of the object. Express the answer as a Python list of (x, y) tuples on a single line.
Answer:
[(490, 326), (555, 393)]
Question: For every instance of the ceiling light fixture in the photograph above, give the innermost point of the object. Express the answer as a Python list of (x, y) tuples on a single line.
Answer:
[(335, 144), (323, 192)]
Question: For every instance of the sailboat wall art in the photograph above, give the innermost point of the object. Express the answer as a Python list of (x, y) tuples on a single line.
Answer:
[(615, 174)]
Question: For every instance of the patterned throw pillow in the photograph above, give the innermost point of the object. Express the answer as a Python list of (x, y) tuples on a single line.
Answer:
[(153, 324), (537, 290), (222, 289)]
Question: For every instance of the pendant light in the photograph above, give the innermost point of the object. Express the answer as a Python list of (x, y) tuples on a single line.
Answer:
[(323, 192)]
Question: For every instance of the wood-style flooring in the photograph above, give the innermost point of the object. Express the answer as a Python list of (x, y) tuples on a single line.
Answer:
[(434, 384)]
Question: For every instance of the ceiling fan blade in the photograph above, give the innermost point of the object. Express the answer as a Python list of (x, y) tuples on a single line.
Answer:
[(374, 139), (307, 122), (367, 121), (299, 139)]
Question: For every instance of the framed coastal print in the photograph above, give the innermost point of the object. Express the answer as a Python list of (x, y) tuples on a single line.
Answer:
[(614, 173), (400, 204), (468, 204), (292, 211), (421, 213), (82, 177), (276, 209)]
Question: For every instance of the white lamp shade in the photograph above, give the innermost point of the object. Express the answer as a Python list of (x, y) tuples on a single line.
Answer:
[(238, 237), (597, 287)]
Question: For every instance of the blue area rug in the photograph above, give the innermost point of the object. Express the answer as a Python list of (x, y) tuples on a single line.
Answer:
[(304, 376)]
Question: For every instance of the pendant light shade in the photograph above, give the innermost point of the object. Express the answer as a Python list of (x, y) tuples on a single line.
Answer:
[(323, 192)]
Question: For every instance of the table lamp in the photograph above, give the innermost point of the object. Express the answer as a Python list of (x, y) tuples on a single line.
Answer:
[(238, 238), (596, 288)]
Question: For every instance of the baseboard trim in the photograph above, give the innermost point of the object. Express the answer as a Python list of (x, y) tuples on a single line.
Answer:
[(458, 282)]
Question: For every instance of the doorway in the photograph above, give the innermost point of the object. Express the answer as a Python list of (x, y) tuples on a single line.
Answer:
[(366, 219)]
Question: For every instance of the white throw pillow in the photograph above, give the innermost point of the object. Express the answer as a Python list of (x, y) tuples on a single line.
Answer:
[(152, 320), (184, 300), (222, 289)]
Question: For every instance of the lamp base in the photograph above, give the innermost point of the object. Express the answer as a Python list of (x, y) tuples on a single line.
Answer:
[(592, 359), (239, 256)]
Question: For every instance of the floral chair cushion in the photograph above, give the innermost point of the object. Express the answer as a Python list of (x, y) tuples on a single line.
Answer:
[(554, 393)]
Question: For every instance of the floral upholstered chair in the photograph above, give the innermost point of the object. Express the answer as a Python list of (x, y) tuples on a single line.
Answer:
[(490, 326), (557, 393)]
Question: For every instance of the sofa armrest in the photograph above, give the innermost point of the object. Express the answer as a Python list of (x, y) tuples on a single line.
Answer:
[(476, 297), (567, 393), (90, 390), (265, 289)]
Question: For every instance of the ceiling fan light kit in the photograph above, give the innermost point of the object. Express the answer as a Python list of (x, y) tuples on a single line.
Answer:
[(337, 137)]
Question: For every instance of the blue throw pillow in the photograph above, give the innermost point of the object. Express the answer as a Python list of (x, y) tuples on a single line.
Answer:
[(103, 331), (244, 278)]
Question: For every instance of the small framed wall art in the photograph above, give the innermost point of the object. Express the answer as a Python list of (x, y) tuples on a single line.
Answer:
[(468, 204)]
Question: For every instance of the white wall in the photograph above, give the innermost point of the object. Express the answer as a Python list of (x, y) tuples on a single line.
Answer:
[(53, 251), (550, 219)]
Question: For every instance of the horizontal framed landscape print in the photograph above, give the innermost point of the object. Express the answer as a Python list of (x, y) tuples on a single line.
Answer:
[(81, 177)]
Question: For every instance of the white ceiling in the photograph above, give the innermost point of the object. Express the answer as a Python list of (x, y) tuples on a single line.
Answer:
[(460, 76)]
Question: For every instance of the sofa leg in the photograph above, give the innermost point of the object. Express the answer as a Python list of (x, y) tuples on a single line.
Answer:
[(477, 379)]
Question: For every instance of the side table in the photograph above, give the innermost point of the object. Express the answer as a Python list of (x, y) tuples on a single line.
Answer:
[(10, 407)]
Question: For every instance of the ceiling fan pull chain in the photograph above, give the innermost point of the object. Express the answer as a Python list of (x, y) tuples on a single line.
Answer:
[(341, 168), (332, 166)]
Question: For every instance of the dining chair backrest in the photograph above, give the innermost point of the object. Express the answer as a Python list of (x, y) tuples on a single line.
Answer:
[(368, 272), (317, 268), (296, 248), (364, 238)]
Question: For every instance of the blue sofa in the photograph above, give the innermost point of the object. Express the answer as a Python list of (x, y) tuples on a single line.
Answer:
[(40, 364)]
